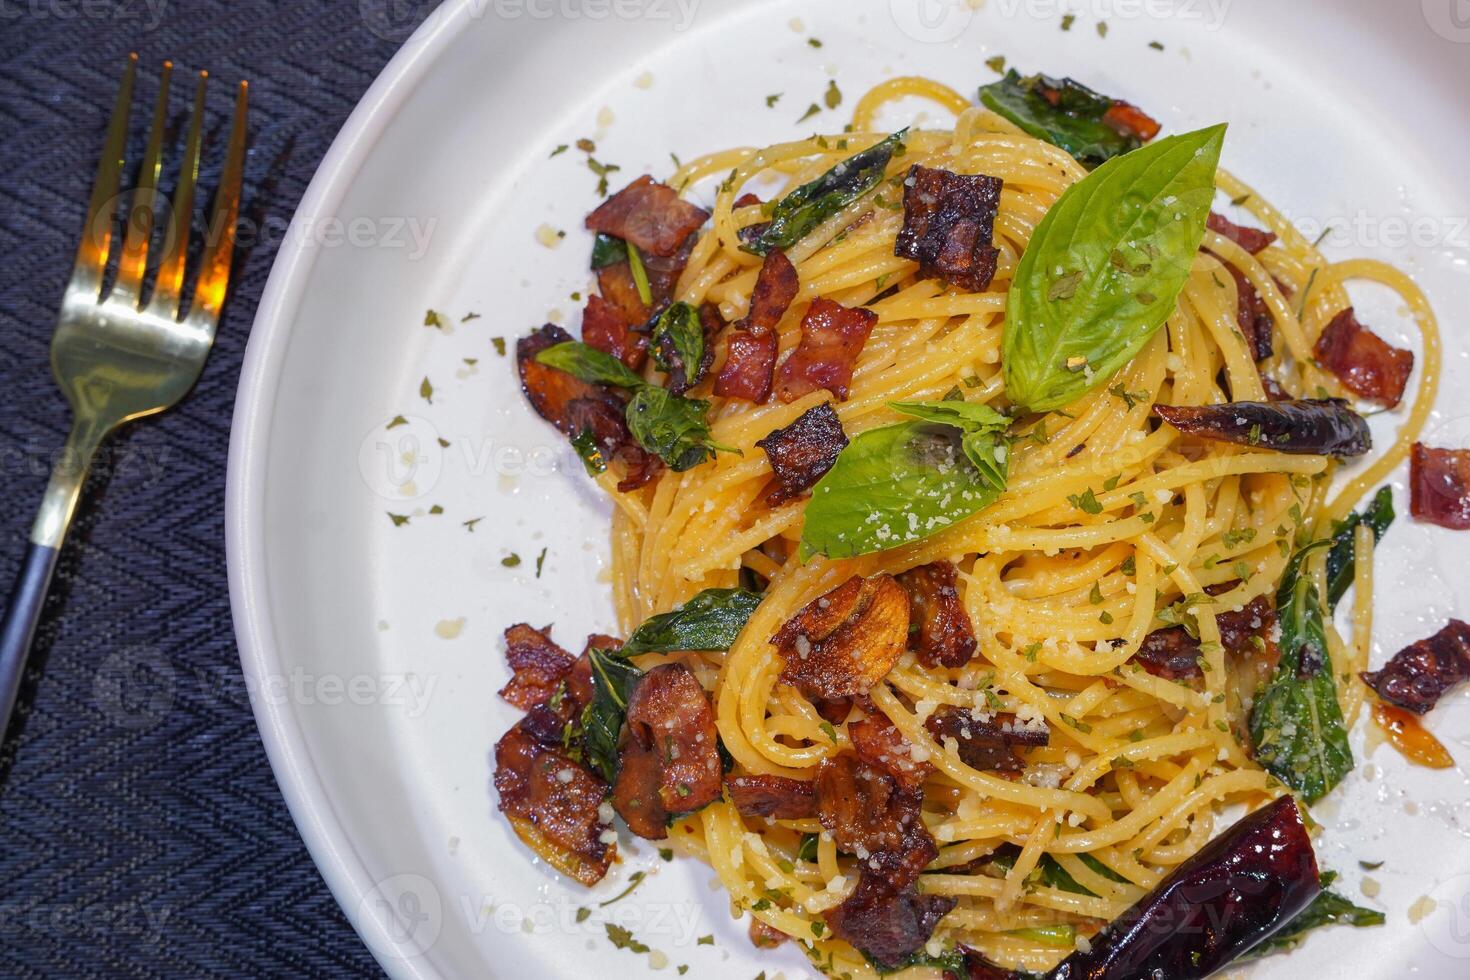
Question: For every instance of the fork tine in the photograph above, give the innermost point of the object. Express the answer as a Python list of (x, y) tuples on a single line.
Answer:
[(170, 281), (214, 272), (97, 233), (142, 208)]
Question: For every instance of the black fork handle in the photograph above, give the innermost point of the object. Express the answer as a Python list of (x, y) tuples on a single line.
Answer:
[(22, 613)]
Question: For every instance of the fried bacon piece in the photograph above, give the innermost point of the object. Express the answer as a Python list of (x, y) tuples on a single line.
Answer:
[(802, 452), (888, 924), (844, 642), (988, 743), (878, 742), (751, 362), (668, 753), (1311, 425), (649, 214), (948, 223), (1439, 486), (1253, 316), (1421, 673), (605, 327), (1364, 362), (772, 796), (1253, 240), (550, 391), (552, 803), (1128, 119), (872, 814), (618, 287), (763, 936), (749, 366), (832, 337), (945, 638), (538, 664), (1174, 655)]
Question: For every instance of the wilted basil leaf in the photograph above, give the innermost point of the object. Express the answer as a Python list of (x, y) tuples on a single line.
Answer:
[(608, 250), (670, 427), (613, 680), (1122, 239), (1327, 909), (709, 621), (1296, 724), (1341, 563), (677, 342), (809, 205), (589, 364), (1062, 112), (585, 443)]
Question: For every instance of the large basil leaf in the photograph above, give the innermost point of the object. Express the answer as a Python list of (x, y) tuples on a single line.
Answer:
[(1296, 724), (898, 484), (589, 364), (1327, 909), (613, 680), (677, 341), (812, 203), (672, 428), (1105, 267), (1341, 560), (978, 422), (709, 621), (1062, 112)]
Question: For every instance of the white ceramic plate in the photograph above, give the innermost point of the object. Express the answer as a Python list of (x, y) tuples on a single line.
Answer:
[(373, 650)]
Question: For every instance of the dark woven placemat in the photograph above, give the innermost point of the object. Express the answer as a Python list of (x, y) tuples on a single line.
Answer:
[(141, 830)]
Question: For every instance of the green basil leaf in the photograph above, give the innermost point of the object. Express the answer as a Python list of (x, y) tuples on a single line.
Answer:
[(709, 621), (613, 680), (897, 484), (969, 416), (1327, 909), (672, 428), (1341, 563), (677, 341), (585, 443), (589, 364), (608, 250), (796, 214), (1070, 118), (1105, 267), (1296, 723)]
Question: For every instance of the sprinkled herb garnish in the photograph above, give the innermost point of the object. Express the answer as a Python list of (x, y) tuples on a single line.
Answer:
[(560, 149), (397, 421), (398, 519), (623, 939), (811, 110), (499, 345), (833, 95), (705, 941), (583, 914), (1068, 20), (469, 525), (1156, 45), (511, 560), (997, 64), (829, 731), (468, 317), (1086, 502), (1102, 28), (433, 319), (426, 390), (813, 42), (436, 509), (771, 100), (540, 561), (601, 170), (634, 880)]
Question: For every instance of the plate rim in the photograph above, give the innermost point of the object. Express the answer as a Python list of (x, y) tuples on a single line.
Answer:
[(312, 811)]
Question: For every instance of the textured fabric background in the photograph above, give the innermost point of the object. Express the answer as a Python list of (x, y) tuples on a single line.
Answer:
[(141, 830)]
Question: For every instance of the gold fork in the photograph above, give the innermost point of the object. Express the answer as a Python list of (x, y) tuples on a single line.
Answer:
[(115, 357)]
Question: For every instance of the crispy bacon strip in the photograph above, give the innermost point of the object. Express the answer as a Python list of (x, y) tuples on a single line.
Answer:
[(618, 287), (948, 223), (875, 816), (1253, 240), (649, 214), (605, 327), (1128, 119), (1421, 673), (776, 285), (1173, 654), (832, 337), (844, 642), (772, 796), (538, 664), (878, 742), (802, 452), (668, 754), (1365, 363), (945, 638), (888, 924), (552, 803), (749, 366), (1439, 486), (986, 742), (1253, 316), (550, 391)]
